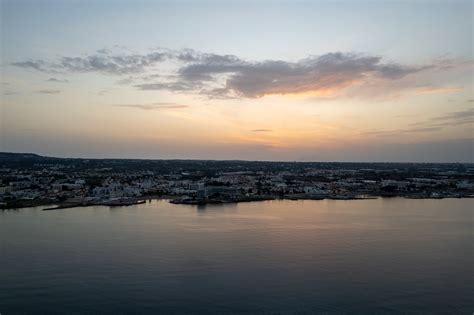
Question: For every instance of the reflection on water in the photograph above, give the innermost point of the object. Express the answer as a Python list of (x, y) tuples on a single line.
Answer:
[(386, 255)]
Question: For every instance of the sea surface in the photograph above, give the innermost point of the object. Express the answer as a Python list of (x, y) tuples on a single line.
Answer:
[(272, 257)]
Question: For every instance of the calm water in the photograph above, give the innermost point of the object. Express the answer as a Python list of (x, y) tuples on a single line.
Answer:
[(379, 256)]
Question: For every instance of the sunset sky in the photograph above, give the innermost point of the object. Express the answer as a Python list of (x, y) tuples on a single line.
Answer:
[(260, 80)]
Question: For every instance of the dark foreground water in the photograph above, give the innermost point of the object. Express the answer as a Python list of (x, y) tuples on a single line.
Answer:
[(371, 256)]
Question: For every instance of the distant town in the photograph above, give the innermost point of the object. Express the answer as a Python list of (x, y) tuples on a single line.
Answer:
[(31, 180)]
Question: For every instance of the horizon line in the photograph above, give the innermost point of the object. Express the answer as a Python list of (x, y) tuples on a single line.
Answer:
[(228, 160)]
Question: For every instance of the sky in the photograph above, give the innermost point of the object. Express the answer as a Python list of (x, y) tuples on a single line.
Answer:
[(252, 80)]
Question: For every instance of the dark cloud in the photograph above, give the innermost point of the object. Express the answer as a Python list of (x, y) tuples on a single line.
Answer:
[(397, 71), (48, 91), (188, 55), (38, 65), (323, 74), (153, 106), (57, 80)]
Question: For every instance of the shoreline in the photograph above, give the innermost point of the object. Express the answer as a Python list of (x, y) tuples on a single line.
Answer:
[(125, 202), (110, 204)]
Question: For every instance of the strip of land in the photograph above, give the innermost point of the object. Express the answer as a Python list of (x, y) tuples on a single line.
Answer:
[(28, 180)]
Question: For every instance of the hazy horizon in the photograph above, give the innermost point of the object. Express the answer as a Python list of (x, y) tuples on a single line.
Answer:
[(85, 157), (349, 81)]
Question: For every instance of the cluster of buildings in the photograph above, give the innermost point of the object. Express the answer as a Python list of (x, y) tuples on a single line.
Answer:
[(76, 181)]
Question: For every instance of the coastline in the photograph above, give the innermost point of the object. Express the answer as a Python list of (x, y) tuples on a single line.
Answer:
[(125, 202)]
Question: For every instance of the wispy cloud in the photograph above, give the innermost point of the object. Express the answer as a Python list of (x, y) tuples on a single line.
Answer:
[(100, 93), (452, 119), (48, 91), (57, 80), (437, 123), (261, 130), (384, 133), (440, 89), (39, 65), (103, 61), (173, 86), (111, 64), (153, 106), (8, 93)]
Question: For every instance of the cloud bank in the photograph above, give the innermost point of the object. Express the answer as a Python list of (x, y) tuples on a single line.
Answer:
[(228, 76)]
